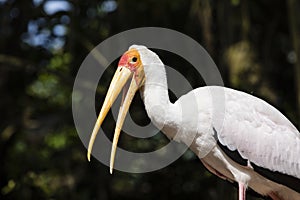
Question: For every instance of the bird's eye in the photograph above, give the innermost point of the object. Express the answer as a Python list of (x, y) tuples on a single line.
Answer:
[(134, 59)]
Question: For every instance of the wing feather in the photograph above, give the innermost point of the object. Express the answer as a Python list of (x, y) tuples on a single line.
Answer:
[(259, 132)]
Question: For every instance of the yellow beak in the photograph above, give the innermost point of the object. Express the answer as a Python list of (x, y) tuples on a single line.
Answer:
[(119, 80)]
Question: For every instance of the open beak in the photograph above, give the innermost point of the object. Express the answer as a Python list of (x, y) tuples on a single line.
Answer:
[(120, 78)]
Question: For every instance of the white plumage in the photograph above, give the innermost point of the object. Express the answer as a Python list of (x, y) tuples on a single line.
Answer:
[(239, 121), (258, 131)]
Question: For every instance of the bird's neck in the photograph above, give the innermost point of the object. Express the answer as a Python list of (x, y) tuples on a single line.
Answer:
[(155, 95)]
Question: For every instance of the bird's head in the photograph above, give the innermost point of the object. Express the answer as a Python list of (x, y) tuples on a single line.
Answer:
[(130, 66), (131, 62)]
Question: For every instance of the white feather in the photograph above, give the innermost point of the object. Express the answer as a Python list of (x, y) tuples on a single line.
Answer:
[(259, 132)]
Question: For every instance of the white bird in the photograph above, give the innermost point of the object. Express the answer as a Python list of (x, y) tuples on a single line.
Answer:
[(256, 146)]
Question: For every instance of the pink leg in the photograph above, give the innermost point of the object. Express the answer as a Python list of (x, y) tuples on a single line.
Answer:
[(242, 191)]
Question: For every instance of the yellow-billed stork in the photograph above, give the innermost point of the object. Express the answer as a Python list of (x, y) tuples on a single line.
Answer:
[(257, 146)]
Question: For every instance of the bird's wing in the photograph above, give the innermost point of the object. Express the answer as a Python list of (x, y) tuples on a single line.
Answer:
[(259, 132)]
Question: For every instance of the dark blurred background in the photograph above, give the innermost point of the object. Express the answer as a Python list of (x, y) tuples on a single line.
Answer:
[(255, 44)]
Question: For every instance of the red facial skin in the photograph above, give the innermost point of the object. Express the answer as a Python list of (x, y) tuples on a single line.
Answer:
[(133, 65), (123, 60), (126, 60)]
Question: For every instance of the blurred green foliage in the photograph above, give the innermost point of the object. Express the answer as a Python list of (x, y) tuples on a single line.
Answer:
[(43, 43)]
